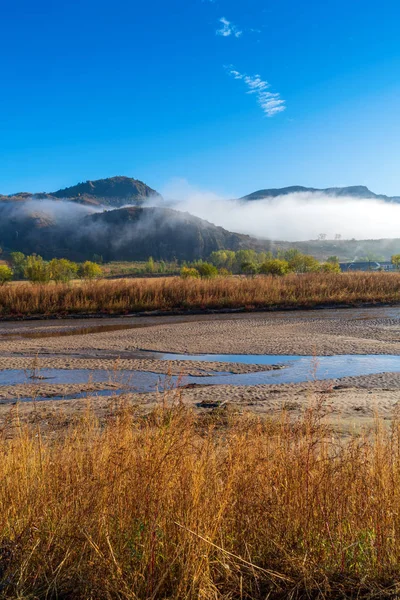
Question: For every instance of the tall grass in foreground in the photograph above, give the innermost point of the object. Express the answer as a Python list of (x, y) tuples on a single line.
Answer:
[(127, 296), (172, 507)]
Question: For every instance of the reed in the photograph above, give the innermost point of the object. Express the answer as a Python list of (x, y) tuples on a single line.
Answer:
[(221, 508), (175, 294)]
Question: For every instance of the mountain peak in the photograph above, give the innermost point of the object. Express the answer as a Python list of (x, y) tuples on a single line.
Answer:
[(113, 191)]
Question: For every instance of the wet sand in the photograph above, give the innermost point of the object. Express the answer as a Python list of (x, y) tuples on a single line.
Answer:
[(329, 332)]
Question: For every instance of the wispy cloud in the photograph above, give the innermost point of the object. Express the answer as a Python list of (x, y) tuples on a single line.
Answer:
[(271, 103), (228, 29)]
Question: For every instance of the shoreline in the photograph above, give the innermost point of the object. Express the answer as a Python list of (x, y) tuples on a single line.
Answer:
[(197, 312)]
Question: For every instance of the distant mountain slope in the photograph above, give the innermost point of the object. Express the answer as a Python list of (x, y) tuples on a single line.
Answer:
[(132, 233), (113, 192), (355, 191)]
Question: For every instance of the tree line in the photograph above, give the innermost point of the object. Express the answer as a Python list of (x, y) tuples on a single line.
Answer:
[(35, 269), (250, 262)]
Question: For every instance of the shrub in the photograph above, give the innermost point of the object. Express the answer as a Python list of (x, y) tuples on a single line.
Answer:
[(5, 274), (206, 270), (189, 272), (90, 270), (276, 266), (330, 267)]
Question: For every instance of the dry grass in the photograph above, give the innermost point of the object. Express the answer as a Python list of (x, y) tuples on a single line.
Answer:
[(175, 294), (224, 508)]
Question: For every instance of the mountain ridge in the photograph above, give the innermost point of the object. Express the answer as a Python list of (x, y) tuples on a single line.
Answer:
[(111, 192), (120, 190), (354, 191)]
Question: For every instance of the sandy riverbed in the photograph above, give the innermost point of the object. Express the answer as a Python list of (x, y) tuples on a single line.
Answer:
[(329, 332)]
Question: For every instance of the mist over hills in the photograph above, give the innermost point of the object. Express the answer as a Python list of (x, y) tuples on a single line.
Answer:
[(122, 218), (354, 191), (130, 233)]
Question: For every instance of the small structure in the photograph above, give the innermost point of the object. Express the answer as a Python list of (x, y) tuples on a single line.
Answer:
[(369, 265)]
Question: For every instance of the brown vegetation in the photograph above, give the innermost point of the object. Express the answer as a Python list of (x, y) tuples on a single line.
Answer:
[(223, 507), (174, 294)]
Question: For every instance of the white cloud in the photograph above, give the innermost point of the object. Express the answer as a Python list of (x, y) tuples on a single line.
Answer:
[(271, 103), (228, 29)]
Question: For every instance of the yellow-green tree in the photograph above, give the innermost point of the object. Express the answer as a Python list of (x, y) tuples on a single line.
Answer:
[(5, 274), (396, 260), (275, 266), (62, 270), (36, 270), (90, 270)]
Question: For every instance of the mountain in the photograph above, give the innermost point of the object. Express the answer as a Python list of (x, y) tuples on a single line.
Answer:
[(132, 233), (355, 191), (113, 192)]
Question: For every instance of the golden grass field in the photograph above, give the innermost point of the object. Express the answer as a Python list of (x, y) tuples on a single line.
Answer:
[(183, 507), (175, 294)]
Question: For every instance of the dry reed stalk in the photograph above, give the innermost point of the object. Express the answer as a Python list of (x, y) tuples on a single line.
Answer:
[(173, 507), (175, 294)]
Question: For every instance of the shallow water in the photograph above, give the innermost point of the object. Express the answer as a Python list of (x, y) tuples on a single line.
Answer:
[(140, 381), (297, 369)]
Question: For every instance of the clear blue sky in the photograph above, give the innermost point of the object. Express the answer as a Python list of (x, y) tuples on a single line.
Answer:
[(157, 89)]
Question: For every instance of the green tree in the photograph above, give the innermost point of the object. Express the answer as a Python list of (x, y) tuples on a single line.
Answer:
[(90, 270), (5, 274), (36, 269), (396, 260), (275, 266), (17, 260), (332, 259), (223, 259), (249, 267), (300, 263), (244, 256), (62, 270)]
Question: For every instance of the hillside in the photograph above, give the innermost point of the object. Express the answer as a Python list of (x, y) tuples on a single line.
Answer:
[(132, 233), (355, 191)]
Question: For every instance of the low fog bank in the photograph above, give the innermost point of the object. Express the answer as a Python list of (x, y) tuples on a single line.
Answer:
[(57, 211), (294, 217)]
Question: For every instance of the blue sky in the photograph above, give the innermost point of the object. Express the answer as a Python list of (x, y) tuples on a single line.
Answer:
[(232, 96)]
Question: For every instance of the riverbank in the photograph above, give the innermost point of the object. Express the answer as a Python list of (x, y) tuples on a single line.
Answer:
[(183, 296)]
